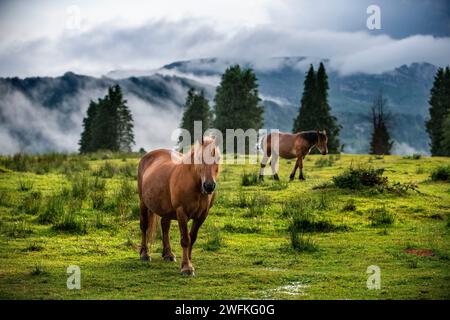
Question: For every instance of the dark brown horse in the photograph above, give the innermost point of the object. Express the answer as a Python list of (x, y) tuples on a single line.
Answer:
[(173, 186), (290, 146)]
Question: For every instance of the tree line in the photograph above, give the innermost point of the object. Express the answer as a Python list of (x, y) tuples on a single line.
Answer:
[(109, 123)]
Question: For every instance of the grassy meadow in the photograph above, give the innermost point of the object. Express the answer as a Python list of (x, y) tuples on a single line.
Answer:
[(311, 239)]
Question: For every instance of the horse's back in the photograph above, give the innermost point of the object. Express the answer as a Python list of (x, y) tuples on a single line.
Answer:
[(154, 172), (282, 143)]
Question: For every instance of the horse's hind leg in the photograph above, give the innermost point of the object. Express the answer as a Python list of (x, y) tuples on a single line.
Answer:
[(144, 219), (167, 250)]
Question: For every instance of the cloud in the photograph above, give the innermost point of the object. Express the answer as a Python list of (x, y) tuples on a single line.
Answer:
[(403, 148), (110, 47), (28, 126)]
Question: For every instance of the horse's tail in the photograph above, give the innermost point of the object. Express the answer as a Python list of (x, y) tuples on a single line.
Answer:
[(263, 143), (153, 222)]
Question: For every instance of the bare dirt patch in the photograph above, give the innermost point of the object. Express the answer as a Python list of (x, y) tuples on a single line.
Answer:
[(420, 252)]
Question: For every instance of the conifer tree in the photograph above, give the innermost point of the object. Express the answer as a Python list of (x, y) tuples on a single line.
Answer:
[(108, 124), (380, 142), (439, 109), (306, 119), (315, 111), (237, 101), (196, 109)]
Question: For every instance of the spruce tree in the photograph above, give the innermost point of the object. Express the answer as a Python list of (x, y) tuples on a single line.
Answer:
[(125, 135), (237, 101), (315, 111), (380, 142), (446, 136), (87, 142), (439, 108), (108, 124), (196, 109), (306, 119), (326, 120)]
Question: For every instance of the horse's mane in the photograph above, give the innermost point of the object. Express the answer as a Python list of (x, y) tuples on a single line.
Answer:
[(310, 136), (198, 146)]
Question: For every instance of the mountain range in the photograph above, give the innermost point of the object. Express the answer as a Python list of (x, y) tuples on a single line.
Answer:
[(40, 114)]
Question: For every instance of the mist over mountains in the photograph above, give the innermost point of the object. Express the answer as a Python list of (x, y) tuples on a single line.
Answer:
[(42, 114)]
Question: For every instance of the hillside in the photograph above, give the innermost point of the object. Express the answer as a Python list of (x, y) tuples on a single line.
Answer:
[(156, 96), (84, 211)]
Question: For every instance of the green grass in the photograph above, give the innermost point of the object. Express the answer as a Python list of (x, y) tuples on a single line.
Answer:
[(247, 248)]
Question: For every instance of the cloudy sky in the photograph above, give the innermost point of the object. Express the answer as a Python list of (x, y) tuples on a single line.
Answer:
[(94, 37)]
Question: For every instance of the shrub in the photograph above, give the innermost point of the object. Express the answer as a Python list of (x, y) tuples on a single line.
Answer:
[(324, 162), (72, 166), (257, 205), (401, 188), (18, 229), (302, 243), (34, 163), (31, 203), (214, 240), (24, 185), (97, 184), (414, 156), (98, 199), (279, 185), (128, 170), (300, 205), (54, 209), (249, 179), (441, 173), (307, 222), (381, 217), (358, 178), (241, 229), (106, 170), (242, 200), (125, 197), (38, 270), (80, 186), (296, 206), (70, 222), (5, 198), (33, 247), (349, 205)]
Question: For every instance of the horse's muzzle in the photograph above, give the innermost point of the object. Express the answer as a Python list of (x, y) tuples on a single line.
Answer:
[(209, 187)]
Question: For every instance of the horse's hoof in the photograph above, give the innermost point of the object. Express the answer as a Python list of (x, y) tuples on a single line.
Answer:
[(301, 179), (170, 258), (188, 272), (145, 258), (276, 177), (291, 178), (261, 178)]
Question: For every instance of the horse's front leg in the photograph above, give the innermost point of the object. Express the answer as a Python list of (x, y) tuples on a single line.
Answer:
[(273, 165), (263, 165), (300, 165), (196, 224), (186, 265), (167, 250), (292, 176)]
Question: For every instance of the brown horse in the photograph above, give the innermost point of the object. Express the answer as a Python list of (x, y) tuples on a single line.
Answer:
[(290, 146), (173, 186)]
